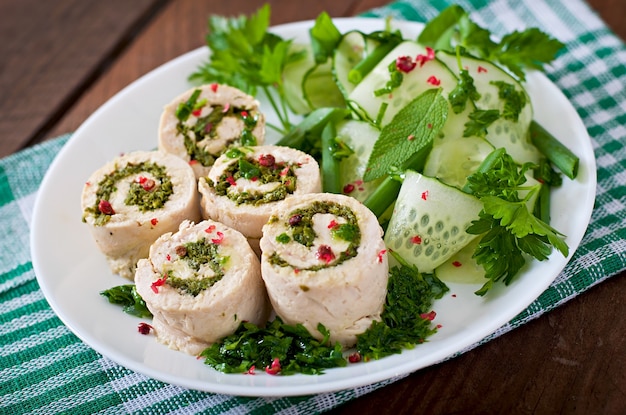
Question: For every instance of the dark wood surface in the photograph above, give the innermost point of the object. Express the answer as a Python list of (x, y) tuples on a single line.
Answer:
[(61, 59)]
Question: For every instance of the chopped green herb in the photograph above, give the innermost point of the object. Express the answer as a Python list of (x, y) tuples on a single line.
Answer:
[(130, 300), (199, 253), (410, 295), (514, 100), (479, 121), (252, 347), (138, 195)]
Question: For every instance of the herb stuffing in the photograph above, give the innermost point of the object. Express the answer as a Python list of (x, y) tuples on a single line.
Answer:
[(205, 127), (263, 170), (146, 194)]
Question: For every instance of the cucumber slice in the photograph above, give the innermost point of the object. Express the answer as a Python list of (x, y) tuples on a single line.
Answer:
[(293, 74), (513, 135), (308, 85), (360, 136), (413, 84), (352, 49), (452, 160), (319, 88), (462, 268), (429, 221)]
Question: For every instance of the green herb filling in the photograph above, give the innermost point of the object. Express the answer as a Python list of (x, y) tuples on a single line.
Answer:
[(197, 254), (248, 168), (206, 127), (145, 199)]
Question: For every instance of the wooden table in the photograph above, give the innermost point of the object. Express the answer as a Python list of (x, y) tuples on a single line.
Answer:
[(60, 60)]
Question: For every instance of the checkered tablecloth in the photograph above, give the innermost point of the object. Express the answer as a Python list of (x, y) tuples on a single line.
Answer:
[(46, 369)]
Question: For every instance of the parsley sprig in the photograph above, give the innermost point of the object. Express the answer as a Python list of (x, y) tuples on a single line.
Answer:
[(245, 55), (517, 51), (509, 230)]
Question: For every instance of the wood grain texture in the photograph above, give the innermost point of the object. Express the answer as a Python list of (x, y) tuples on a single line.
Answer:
[(49, 54), (180, 28), (61, 60)]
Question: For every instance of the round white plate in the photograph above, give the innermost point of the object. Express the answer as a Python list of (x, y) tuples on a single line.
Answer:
[(72, 272)]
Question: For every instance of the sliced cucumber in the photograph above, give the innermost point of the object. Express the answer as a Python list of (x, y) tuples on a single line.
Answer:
[(413, 84), (360, 136), (293, 74), (452, 159), (308, 85), (462, 267), (429, 221), (319, 87), (512, 135), (352, 49)]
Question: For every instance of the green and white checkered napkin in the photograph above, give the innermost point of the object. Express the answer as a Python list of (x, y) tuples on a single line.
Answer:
[(44, 368)]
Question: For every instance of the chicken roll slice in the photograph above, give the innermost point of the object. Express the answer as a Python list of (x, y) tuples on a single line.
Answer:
[(200, 283), (246, 183), (200, 124), (324, 261), (132, 200)]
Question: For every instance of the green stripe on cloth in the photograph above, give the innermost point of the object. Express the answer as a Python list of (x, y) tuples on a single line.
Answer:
[(46, 369)]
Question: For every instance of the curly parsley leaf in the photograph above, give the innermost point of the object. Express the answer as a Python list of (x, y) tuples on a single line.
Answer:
[(479, 121), (464, 91), (530, 49), (130, 300), (509, 230), (514, 100)]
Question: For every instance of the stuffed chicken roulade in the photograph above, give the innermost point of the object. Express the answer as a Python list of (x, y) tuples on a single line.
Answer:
[(200, 124), (247, 182), (324, 261), (132, 200), (200, 283)]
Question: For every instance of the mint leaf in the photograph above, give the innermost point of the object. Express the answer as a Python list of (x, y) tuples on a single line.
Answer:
[(413, 128)]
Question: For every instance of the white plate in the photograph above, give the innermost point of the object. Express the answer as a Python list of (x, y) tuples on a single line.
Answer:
[(72, 272)]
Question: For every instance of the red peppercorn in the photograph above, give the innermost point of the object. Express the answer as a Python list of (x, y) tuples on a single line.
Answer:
[(405, 64), (144, 328), (325, 253), (267, 160), (105, 207), (354, 357), (349, 188), (274, 368), (295, 220)]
